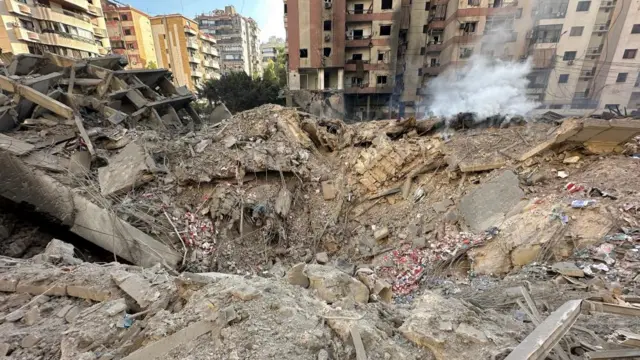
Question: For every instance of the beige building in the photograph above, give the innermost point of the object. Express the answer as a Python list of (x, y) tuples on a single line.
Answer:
[(179, 47), (130, 34), (73, 28), (210, 57)]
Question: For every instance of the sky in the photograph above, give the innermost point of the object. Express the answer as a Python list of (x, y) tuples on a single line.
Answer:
[(268, 13)]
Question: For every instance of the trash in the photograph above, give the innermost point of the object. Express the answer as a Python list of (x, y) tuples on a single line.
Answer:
[(595, 192), (579, 204), (601, 267), (573, 188), (558, 214)]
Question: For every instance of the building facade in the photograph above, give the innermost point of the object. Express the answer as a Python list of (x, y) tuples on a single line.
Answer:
[(238, 40), (210, 56), (269, 49), (74, 28), (130, 34)]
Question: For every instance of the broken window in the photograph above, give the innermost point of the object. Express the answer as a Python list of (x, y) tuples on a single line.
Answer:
[(385, 30), (576, 31), (469, 27), (380, 56), (285, 8), (473, 2), (327, 51), (563, 78), (124, 17), (387, 4), (381, 79), (358, 9), (465, 53), (131, 46), (356, 81), (427, 5), (635, 29), (547, 33), (622, 77), (583, 5), (425, 29), (356, 57), (630, 54), (327, 25), (569, 55), (420, 72), (304, 53), (358, 34)]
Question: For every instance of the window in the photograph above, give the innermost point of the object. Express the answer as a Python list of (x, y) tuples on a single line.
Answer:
[(423, 50), (637, 84), (380, 56), (356, 57), (358, 9), (427, 5), (327, 25), (285, 8), (583, 5), (563, 79), (622, 77), (385, 30), (630, 54), (358, 34), (611, 106), (304, 53), (473, 2), (387, 4), (465, 53), (635, 29), (469, 27), (356, 81), (381, 79), (420, 72), (425, 28), (130, 46), (576, 31), (127, 31), (124, 17), (327, 51), (569, 55)]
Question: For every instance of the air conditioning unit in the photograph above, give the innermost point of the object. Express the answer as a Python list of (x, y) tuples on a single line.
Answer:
[(570, 62), (327, 4), (327, 37)]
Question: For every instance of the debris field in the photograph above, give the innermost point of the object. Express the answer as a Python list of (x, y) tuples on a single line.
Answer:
[(131, 228)]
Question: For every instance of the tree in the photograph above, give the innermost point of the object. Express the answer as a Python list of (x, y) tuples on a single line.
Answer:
[(277, 70), (239, 92), (152, 65)]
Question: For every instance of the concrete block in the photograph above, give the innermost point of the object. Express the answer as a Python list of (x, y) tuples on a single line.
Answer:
[(129, 168), (296, 276), (88, 293), (30, 341), (329, 191), (8, 285), (590, 128), (134, 286), (621, 131), (487, 205), (46, 289)]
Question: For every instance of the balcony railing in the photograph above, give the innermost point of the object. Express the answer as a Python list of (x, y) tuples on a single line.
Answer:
[(99, 32), (601, 28), (196, 73), (194, 59), (94, 10), (608, 4), (192, 43), (361, 11), (26, 35), (190, 31), (358, 37), (594, 50)]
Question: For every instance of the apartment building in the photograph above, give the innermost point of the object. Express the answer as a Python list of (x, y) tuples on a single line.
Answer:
[(72, 28), (210, 56), (130, 34), (585, 55), (269, 49), (366, 49), (177, 44), (237, 39)]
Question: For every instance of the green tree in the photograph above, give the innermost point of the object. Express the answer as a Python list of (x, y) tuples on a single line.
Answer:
[(152, 65), (239, 91)]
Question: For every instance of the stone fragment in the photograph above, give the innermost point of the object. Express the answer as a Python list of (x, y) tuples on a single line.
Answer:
[(333, 285), (58, 251), (202, 145), (8, 285), (472, 334), (64, 310), (29, 341), (70, 316), (323, 354), (15, 315), (329, 191), (80, 163), (135, 286), (219, 113), (568, 269), (245, 292), (31, 316), (381, 234), (4, 349), (571, 159), (322, 258), (116, 307), (296, 276), (88, 292), (442, 206)]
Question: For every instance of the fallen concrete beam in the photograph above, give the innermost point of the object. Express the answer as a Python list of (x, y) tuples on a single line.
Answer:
[(165, 345), (177, 102), (543, 338), (595, 307), (149, 77), (23, 64), (21, 184), (111, 62), (614, 354), (35, 96)]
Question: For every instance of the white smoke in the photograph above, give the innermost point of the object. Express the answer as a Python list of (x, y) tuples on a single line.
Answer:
[(485, 87)]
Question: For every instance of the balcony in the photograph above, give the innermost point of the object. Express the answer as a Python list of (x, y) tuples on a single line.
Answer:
[(102, 50), (608, 4), (192, 43), (211, 51), (82, 4), (594, 51), (211, 64), (99, 32), (366, 89), (600, 28), (432, 69), (70, 41), (196, 73), (586, 74), (194, 59), (190, 31), (435, 46), (17, 8), (94, 10), (26, 35), (358, 40), (351, 65), (436, 24)]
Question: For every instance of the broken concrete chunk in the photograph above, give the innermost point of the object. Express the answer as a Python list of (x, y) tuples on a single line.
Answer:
[(4, 349), (59, 252), (70, 316), (116, 307), (129, 168), (229, 141), (322, 258), (296, 276), (31, 316), (571, 159), (135, 286), (442, 206), (202, 145), (219, 113), (333, 285), (30, 341), (381, 234), (245, 293), (80, 163), (329, 191), (469, 332), (567, 269), (487, 205), (15, 315)]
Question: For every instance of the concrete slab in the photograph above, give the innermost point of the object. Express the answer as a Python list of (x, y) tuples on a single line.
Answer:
[(127, 169), (219, 113), (591, 128), (488, 204)]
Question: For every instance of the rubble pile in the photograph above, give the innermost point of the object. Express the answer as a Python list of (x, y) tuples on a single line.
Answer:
[(275, 233)]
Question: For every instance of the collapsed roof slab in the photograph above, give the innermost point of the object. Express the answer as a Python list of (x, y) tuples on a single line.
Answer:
[(149, 77)]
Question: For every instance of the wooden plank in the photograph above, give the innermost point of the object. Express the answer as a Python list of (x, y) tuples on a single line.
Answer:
[(165, 345), (592, 306), (15, 146), (35, 96), (545, 336), (614, 354), (361, 353)]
